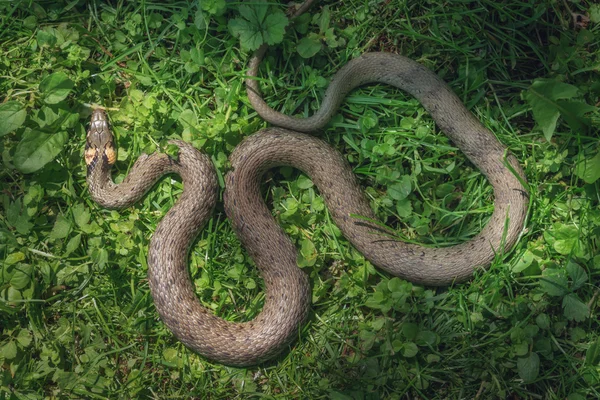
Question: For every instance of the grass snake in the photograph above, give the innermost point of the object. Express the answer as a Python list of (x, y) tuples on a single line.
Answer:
[(287, 291)]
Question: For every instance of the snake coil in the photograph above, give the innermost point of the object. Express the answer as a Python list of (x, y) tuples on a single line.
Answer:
[(287, 290)]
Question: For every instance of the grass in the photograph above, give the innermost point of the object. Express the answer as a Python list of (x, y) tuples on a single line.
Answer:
[(77, 317)]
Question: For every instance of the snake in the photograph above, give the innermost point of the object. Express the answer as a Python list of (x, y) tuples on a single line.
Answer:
[(287, 290)]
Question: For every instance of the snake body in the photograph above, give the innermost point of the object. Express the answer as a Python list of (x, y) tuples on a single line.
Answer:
[(418, 264), (287, 292)]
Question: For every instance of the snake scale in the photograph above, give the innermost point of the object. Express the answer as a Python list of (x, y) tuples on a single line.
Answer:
[(287, 291)]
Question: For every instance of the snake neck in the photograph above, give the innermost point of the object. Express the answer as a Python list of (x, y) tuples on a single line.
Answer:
[(142, 176), (100, 183)]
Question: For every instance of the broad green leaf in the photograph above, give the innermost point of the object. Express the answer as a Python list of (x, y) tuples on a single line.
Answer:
[(367, 339), (375, 300), (249, 34), (577, 334), (197, 55), (22, 276), (12, 116), (189, 121), (324, 19), (397, 345), (397, 285), (565, 246), (137, 95), (404, 208), (307, 256), (592, 355), (304, 182), (274, 28), (100, 257), (191, 68), (8, 351), (250, 283), (317, 204), (46, 37), (544, 111), (24, 337), (258, 26), (554, 282), (332, 40), (410, 330), (14, 258), (378, 323), (543, 321), (401, 189), (18, 217), (368, 121), (575, 309), (200, 21), (73, 244), (30, 22), (308, 47), (530, 331), (291, 207), (55, 119), (301, 23), (524, 262), (562, 231), (171, 355), (521, 349), (37, 149), (14, 294), (256, 12), (577, 275), (433, 358), (566, 238), (215, 7), (62, 227), (133, 378), (573, 112), (529, 367), (107, 17), (546, 98), (409, 350), (426, 338), (56, 87), (594, 11), (589, 169), (543, 346), (444, 189), (81, 215), (185, 55)]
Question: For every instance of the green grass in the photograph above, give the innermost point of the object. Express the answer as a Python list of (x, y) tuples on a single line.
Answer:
[(77, 317)]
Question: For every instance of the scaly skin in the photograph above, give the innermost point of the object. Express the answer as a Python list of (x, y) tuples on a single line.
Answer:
[(416, 263), (287, 290)]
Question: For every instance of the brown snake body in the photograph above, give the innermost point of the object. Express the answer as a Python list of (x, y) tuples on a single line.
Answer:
[(287, 291)]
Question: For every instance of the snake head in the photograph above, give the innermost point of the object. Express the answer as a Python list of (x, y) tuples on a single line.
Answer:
[(100, 141)]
